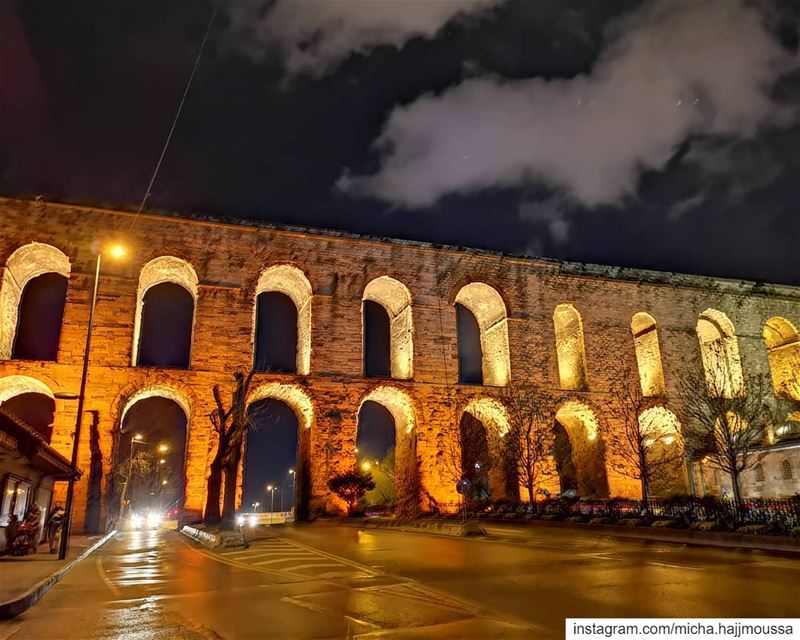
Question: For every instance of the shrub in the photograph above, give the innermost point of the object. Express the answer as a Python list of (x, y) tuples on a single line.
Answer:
[(755, 529), (631, 522), (600, 520), (665, 524), (708, 525)]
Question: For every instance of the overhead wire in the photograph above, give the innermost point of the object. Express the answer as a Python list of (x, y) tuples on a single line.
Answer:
[(175, 120)]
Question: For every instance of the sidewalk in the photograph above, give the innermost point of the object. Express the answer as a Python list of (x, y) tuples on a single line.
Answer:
[(19, 574)]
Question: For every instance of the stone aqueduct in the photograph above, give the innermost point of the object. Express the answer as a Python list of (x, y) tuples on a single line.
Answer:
[(580, 326)]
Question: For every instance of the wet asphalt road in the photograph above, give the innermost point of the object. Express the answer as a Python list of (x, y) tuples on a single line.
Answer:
[(342, 582)]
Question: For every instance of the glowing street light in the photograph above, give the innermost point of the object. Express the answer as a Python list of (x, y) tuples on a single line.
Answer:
[(116, 252), (162, 461), (271, 490), (366, 466), (163, 448)]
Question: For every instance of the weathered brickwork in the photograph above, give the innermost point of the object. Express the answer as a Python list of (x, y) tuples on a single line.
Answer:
[(229, 259)]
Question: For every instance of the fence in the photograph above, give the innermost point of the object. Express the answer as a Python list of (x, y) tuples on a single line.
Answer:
[(780, 515)]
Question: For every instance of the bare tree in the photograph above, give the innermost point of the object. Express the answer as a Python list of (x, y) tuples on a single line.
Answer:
[(645, 450), (529, 443), (230, 424), (724, 421)]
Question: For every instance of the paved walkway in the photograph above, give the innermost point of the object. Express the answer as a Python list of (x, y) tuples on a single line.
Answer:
[(18, 574)]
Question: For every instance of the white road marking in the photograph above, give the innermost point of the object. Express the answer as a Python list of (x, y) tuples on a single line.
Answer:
[(101, 570)]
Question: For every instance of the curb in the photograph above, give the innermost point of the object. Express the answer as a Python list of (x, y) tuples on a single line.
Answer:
[(676, 536), (12, 608), (215, 540)]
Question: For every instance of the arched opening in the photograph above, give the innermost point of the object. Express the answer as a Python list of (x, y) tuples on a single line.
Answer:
[(388, 329), (719, 350), (276, 333), (35, 311), (150, 461), (579, 456), (165, 308), (664, 445), (648, 355), (783, 351), (483, 425), (41, 312), (167, 318), (377, 340), (376, 453), (470, 354), (277, 450), (270, 458), (386, 448), (31, 401), (489, 312), (570, 347), (270, 325)]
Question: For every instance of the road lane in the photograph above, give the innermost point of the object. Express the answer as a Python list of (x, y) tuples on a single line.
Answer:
[(319, 581)]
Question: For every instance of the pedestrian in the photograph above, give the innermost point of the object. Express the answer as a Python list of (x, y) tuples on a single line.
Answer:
[(12, 529), (34, 519), (54, 529)]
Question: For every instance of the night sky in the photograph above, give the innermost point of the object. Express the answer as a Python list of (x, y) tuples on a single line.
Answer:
[(663, 135)]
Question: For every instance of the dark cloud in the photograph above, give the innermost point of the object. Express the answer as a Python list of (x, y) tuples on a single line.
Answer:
[(669, 71)]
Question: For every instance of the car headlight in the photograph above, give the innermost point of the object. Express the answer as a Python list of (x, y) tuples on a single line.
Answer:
[(136, 521), (253, 521), (239, 521), (153, 520)]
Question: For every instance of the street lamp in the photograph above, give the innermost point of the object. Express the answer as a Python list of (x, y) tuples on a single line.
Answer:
[(117, 252), (271, 489), (136, 438)]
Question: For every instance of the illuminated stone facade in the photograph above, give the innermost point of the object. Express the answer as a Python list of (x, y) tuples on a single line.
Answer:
[(576, 328)]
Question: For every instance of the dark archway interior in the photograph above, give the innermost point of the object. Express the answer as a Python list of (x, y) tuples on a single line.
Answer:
[(276, 333), (476, 461), (156, 485), (37, 409), (166, 331), (377, 341), (470, 355), (41, 312), (271, 452), (376, 442), (565, 463)]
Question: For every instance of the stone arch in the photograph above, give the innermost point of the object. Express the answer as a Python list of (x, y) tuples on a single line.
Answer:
[(292, 282), (401, 408), (719, 349), (783, 352), (164, 269), (167, 392), (489, 310), (395, 298), (663, 429), (493, 418), (648, 354), (570, 348), (26, 263), (11, 386), (585, 449), (300, 402)]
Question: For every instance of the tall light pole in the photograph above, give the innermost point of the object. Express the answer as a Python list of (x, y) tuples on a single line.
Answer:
[(271, 489), (293, 473), (136, 438), (116, 252)]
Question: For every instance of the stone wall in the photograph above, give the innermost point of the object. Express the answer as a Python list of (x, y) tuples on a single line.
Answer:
[(228, 258)]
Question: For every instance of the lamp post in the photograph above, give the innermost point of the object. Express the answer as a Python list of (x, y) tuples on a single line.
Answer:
[(293, 473), (271, 489), (136, 438), (115, 252)]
